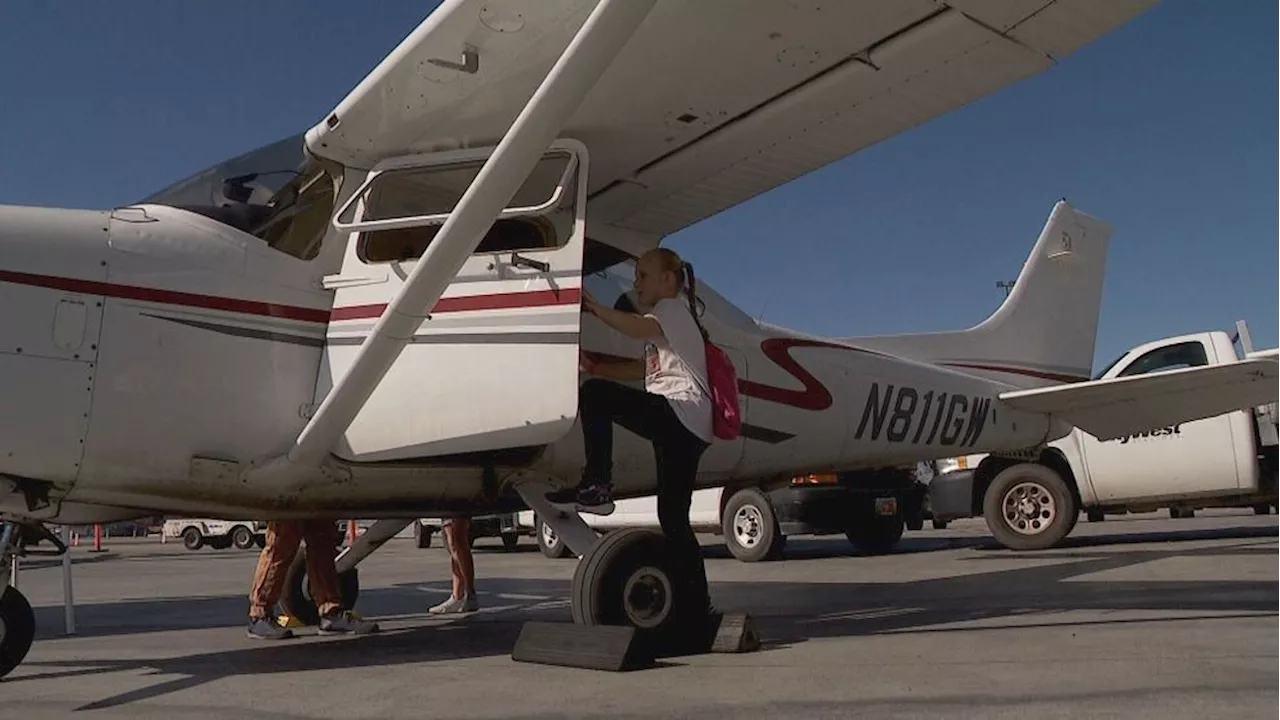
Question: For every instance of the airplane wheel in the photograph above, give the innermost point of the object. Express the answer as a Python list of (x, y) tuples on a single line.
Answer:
[(939, 524), (1029, 507), (297, 601), (17, 629), (627, 579), (242, 538), (548, 542)]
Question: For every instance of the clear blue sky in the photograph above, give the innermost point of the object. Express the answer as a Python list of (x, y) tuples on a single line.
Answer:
[(1165, 129)]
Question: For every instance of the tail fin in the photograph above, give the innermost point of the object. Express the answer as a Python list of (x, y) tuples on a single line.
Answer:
[(1044, 332)]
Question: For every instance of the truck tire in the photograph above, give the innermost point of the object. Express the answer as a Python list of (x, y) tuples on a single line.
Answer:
[(192, 538), (242, 537), (1030, 507), (875, 535), (548, 542), (422, 535), (750, 527)]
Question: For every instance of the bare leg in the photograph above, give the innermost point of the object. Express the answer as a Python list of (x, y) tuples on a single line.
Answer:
[(457, 536)]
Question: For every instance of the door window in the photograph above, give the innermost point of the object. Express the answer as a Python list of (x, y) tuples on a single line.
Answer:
[(1170, 357)]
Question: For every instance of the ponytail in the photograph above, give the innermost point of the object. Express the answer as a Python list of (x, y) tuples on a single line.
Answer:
[(691, 291)]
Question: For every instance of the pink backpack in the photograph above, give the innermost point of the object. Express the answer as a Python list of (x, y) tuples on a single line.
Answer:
[(726, 417)]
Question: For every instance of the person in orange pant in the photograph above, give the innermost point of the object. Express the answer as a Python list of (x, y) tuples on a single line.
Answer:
[(283, 540)]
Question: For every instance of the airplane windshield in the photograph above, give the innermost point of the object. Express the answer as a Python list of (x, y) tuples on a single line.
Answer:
[(277, 193)]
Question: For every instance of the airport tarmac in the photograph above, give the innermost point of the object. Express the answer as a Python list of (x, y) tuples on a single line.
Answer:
[(1137, 617)]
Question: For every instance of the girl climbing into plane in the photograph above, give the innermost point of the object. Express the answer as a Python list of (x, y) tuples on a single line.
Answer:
[(674, 411)]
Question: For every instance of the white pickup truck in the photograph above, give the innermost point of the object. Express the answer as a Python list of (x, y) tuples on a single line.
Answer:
[(217, 534), (1224, 461)]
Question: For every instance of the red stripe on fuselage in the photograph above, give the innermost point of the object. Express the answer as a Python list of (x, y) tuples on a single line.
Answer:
[(167, 297), (465, 303), (539, 298)]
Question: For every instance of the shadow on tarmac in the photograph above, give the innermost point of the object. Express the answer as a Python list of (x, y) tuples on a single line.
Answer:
[(787, 614)]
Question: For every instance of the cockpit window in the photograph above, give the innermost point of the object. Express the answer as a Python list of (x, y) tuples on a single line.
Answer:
[(277, 193)]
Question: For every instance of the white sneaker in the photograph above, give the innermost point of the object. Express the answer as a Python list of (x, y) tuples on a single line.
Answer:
[(453, 605)]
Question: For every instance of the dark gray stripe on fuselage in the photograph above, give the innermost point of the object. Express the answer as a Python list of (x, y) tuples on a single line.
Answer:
[(765, 435), (244, 332)]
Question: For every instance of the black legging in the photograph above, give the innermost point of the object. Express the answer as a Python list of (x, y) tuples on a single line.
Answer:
[(676, 452)]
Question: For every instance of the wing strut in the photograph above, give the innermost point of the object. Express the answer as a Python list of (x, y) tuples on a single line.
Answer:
[(605, 32)]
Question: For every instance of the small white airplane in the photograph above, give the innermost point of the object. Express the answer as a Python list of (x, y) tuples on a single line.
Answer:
[(380, 318)]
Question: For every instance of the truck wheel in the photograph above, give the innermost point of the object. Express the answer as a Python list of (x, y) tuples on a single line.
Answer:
[(548, 542), (423, 538), (192, 539), (875, 535), (1029, 507), (939, 524), (750, 527), (242, 538)]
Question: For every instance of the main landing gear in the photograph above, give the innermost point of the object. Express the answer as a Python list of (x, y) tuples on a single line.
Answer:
[(627, 578), (17, 619)]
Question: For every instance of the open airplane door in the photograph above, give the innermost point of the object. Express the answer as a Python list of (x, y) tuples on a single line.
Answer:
[(494, 365)]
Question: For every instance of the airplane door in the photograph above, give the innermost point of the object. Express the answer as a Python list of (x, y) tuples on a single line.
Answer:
[(495, 365), (1191, 457)]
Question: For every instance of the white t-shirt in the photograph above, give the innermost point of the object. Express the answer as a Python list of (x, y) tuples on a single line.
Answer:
[(676, 367)]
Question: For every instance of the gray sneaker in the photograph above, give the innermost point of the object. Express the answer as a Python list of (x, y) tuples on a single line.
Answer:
[(268, 629), (453, 606), (345, 622)]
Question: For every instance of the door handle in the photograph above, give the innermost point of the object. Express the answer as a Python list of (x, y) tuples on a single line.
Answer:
[(521, 261)]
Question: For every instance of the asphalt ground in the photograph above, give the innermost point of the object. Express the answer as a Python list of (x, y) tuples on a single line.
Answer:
[(1135, 617)]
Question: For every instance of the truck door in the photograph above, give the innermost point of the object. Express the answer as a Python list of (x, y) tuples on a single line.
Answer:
[(1194, 457), (495, 365)]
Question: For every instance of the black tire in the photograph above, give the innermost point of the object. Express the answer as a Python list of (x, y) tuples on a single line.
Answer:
[(242, 537), (510, 541), (220, 542), (626, 579), (750, 527), (422, 537), (548, 542), (875, 535), (260, 540), (1262, 509), (19, 629), (1095, 515), (1042, 510), (939, 524), (192, 538), (297, 600)]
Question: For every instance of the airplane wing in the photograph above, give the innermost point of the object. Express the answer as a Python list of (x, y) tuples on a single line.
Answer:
[(1109, 409), (712, 102)]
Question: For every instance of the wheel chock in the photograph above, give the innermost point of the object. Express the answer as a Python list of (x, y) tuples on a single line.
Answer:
[(592, 647), (736, 634)]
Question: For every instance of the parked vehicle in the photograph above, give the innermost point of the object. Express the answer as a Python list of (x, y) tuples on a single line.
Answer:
[(871, 508), (217, 534), (1223, 461)]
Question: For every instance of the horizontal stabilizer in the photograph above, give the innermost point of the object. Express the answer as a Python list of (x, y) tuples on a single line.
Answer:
[(1109, 409)]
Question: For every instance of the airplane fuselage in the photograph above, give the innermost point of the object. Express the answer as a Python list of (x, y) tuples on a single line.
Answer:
[(149, 349)]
